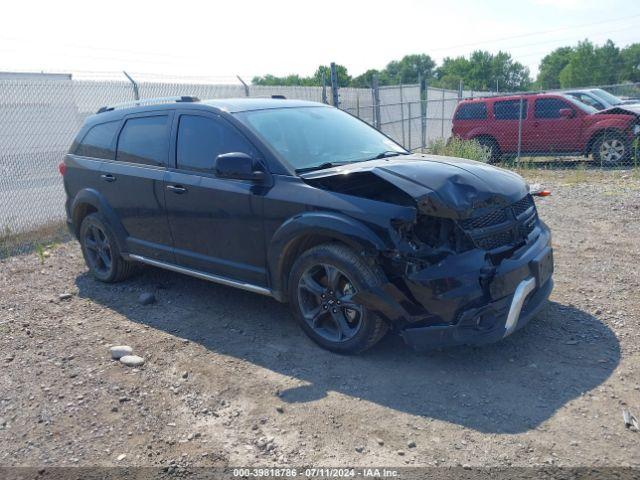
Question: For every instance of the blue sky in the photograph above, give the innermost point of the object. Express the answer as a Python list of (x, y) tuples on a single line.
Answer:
[(221, 39)]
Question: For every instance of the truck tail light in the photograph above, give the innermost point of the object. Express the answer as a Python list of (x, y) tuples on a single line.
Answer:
[(62, 168)]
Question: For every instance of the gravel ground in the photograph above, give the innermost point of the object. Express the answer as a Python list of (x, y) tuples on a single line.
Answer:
[(230, 379)]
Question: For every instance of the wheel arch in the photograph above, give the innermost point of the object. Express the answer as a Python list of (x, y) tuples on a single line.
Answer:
[(90, 201), (305, 231)]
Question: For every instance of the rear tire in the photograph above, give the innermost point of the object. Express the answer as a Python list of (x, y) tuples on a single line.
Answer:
[(321, 283), (493, 150), (611, 149), (101, 252)]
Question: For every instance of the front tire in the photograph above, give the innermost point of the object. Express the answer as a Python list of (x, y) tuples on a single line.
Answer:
[(611, 149), (322, 284), (101, 252)]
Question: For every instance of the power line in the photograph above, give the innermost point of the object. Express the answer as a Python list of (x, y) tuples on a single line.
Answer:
[(531, 34)]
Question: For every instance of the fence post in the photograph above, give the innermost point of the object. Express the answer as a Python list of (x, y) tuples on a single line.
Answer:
[(402, 115), (334, 85), (136, 92), (426, 108), (442, 118), (246, 87), (422, 85), (324, 88), (376, 102), (520, 129), (358, 104), (460, 90), (409, 112)]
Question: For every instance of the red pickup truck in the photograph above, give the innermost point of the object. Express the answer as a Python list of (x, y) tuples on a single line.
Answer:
[(552, 124)]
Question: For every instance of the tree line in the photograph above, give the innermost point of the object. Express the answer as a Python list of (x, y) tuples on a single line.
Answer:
[(582, 65)]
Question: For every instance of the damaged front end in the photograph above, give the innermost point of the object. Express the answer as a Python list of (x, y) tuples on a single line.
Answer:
[(471, 267)]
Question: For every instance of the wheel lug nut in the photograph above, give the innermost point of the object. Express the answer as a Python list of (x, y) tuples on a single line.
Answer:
[(338, 302), (335, 311), (325, 307)]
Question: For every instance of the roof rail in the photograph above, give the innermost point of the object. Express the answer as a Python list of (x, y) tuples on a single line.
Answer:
[(148, 101), (278, 97)]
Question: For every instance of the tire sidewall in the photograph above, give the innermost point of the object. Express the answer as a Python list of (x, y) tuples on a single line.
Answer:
[(87, 222), (318, 256)]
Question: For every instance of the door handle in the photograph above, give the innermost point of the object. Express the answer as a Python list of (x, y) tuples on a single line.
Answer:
[(179, 189), (107, 177)]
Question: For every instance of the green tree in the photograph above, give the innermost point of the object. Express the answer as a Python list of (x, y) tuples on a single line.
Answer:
[(630, 60), (408, 69), (482, 71), (551, 66)]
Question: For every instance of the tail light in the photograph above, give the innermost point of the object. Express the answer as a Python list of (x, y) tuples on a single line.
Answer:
[(62, 168)]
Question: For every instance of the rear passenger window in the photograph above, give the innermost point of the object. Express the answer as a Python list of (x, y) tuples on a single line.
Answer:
[(202, 139), (549, 107), (472, 111), (508, 109), (144, 140), (98, 141)]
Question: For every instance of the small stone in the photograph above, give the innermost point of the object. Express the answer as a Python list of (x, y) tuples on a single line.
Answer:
[(185, 374), (146, 298), (132, 361), (380, 441), (64, 296), (359, 449), (279, 409), (411, 444), (400, 452), (120, 351), (114, 409), (122, 456)]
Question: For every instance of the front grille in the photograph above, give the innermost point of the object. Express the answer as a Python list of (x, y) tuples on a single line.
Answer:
[(522, 206), (516, 225), (488, 220)]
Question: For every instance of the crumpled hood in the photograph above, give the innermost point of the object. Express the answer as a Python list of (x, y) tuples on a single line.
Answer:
[(441, 186), (622, 108)]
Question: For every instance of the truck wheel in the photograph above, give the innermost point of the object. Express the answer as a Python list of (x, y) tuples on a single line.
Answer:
[(611, 149), (492, 148), (101, 252), (322, 283)]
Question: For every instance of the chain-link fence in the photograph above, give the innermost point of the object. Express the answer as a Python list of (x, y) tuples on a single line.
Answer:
[(39, 116)]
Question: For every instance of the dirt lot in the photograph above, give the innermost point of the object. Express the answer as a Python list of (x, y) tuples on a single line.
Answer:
[(230, 379)]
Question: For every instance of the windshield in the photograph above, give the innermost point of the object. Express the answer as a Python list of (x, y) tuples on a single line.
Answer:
[(318, 137), (582, 106), (606, 96)]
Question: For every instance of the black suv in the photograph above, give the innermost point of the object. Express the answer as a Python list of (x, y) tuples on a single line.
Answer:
[(308, 204)]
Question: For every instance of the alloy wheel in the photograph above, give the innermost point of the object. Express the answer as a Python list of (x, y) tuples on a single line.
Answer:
[(98, 249), (612, 151), (325, 297)]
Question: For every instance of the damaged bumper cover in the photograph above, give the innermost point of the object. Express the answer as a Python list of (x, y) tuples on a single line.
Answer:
[(465, 299)]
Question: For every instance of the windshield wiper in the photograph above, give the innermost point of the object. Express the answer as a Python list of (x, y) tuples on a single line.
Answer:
[(322, 166), (387, 154)]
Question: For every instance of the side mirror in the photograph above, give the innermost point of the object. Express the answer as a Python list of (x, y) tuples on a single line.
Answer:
[(567, 113), (239, 166)]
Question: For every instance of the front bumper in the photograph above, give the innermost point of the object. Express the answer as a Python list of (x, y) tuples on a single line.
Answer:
[(466, 299), (503, 317)]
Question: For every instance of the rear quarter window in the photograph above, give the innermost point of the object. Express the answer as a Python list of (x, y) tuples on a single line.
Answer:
[(98, 141), (471, 111)]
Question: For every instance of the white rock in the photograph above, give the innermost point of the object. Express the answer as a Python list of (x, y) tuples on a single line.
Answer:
[(122, 456), (132, 360), (120, 351)]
